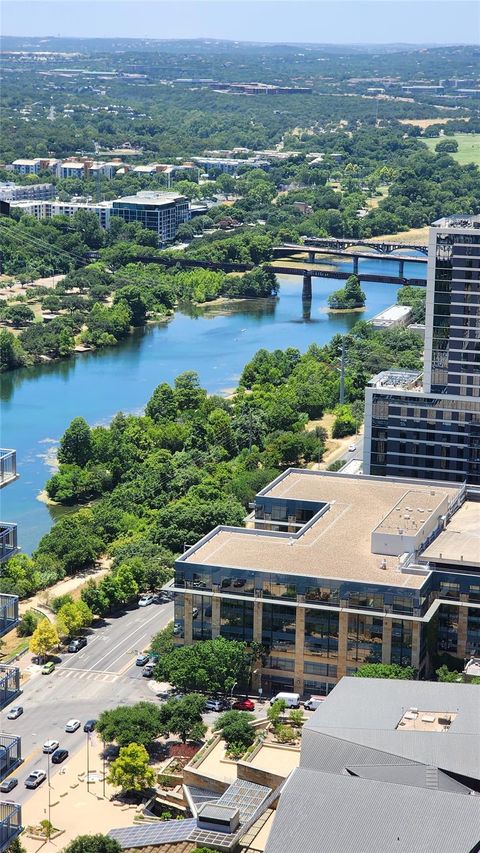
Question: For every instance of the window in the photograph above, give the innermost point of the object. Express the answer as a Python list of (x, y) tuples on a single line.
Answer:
[(401, 649), (280, 663), (364, 640), (236, 620), (314, 668), (321, 633), (278, 627)]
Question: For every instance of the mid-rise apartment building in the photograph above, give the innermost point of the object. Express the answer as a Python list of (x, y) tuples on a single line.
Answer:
[(430, 428), (335, 571), (19, 192)]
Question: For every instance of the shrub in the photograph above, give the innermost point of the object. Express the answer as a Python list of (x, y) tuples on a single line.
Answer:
[(27, 624), (285, 734)]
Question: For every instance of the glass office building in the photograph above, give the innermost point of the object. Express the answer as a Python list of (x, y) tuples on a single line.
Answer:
[(431, 429), (334, 571), (159, 212)]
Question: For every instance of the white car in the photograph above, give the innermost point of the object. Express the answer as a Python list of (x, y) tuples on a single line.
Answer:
[(15, 712), (50, 746), (72, 725), (352, 448), (145, 600)]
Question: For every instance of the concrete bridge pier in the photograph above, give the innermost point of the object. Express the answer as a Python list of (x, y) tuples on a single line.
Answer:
[(311, 257), (307, 308), (401, 265), (355, 266), (307, 288)]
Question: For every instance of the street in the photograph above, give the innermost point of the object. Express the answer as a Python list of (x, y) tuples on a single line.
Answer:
[(100, 676)]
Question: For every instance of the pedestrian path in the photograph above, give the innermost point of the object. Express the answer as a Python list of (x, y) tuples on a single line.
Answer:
[(87, 675)]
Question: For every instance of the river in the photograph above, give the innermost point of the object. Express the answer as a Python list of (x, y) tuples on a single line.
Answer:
[(37, 404)]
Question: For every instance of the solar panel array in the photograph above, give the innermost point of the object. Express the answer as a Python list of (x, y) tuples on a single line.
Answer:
[(245, 796), (158, 833)]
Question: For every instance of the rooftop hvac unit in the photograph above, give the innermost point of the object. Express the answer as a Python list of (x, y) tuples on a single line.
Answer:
[(383, 564)]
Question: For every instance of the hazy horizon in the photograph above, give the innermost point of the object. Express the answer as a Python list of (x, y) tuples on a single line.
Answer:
[(342, 23)]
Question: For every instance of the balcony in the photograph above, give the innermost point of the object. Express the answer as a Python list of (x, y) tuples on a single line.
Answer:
[(8, 466), (8, 613), (8, 540), (10, 823)]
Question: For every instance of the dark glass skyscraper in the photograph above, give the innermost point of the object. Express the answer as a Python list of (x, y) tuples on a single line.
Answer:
[(430, 429)]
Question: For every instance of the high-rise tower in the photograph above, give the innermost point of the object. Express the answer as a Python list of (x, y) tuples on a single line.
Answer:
[(430, 429)]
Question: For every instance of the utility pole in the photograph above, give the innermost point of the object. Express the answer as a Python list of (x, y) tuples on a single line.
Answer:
[(342, 375)]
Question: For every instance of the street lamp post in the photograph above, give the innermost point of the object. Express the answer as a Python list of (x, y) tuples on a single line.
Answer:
[(49, 792), (103, 761), (88, 761)]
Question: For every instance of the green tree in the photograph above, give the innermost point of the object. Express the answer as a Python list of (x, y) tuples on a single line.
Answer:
[(12, 354), (188, 393), (276, 711), (385, 670), (212, 666), (140, 724), (93, 844), (133, 297), (27, 624), (76, 444), (236, 728), (162, 405), (44, 639), (162, 643), (447, 146), (72, 617), (130, 771), (20, 315), (184, 717)]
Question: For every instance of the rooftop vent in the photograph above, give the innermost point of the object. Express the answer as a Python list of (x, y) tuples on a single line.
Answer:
[(383, 564)]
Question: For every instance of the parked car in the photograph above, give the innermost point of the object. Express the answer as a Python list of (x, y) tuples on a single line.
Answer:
[(50, 746), (90, 726), (59, 755), (48, 667), (194, 612), (72, 725), (35, 778), (8, 785), (243, 705), (147, 599), (177, 629), (15, 712), (142, 660), (76, 644), (217, 705), (148, 670)]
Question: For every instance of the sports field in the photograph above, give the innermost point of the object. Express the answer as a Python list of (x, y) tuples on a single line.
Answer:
[(468, 147)]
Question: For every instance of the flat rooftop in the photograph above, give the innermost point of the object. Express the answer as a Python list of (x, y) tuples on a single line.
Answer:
[(460, 541), (147, 198), (338, 543)]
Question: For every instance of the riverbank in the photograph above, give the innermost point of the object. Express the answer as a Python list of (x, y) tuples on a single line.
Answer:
[(38, 403)]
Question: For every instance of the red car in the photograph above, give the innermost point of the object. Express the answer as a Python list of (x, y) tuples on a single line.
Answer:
[(244, 705)]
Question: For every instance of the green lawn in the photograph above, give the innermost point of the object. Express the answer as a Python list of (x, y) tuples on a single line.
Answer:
[(468, 147)]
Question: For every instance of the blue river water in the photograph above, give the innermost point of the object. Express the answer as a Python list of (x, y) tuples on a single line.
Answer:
[(37, 404)]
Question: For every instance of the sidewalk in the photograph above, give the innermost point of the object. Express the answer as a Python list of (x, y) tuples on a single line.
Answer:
[(40, 600), (73, 808)]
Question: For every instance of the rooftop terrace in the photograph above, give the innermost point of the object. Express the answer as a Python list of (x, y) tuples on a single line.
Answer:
[(338, 542)]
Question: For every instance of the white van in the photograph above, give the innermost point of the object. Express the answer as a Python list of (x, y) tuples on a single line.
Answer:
[(292, 700), (313, 703)]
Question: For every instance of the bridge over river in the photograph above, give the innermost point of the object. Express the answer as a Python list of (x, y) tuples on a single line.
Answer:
[(340, 248)]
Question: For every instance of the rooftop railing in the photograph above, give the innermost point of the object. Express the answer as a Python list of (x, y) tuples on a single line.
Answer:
[(10, 823)]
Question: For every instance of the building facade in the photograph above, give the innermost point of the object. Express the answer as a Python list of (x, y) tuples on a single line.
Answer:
[(161, 212), (335, 571), (431, 430)]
